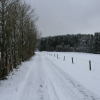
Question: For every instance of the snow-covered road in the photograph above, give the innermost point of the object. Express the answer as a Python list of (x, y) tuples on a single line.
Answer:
[(45, 80)]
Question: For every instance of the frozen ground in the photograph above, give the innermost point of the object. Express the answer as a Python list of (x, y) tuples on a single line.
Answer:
[(45, 77)]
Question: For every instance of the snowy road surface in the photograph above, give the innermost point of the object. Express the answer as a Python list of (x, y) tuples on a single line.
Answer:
[(45, 80)]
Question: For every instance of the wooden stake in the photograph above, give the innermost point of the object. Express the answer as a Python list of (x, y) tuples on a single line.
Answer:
[(64, 58), (57, 56), (89, 65), (72, 60)]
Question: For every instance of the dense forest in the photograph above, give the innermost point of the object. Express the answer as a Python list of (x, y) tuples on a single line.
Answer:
[(72, 43), (18, 34)]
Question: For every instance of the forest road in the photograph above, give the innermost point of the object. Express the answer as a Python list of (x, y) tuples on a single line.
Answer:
[(47, 81)]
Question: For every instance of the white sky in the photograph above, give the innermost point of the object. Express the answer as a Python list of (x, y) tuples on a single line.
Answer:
[(58, 17)]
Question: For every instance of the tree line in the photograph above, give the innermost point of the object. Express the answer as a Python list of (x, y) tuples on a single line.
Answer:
[(18, 34), (72, 43)]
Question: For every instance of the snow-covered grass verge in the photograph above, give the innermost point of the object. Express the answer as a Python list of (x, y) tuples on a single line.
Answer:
[(80, 69), (11, 88)]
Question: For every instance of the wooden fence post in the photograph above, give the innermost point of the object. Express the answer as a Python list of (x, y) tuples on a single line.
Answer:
[(57, 56), (72, 60), (64, 58), (89, 65)]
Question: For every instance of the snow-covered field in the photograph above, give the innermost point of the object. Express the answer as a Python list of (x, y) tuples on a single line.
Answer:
[(45, 77), (80, 69)]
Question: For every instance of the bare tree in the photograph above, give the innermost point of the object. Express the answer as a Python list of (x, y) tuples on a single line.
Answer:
[(18, 34)]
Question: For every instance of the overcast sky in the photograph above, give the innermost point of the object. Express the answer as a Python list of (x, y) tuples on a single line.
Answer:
[(58, 17)]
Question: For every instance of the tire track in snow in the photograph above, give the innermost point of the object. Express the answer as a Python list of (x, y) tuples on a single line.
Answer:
[(23, 84), (62, 91), (50, 88), (35, 86)]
